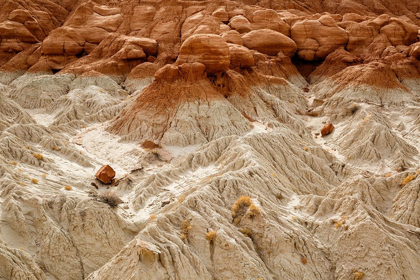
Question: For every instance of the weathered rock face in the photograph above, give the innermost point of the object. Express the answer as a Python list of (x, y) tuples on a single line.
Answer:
[(210, 112), (269, 19), (414, 51), (400, 32), (316, 39), (210, 50), (86, 25), (240, 56), (63, 41), (22, 25), (94, 22), (259, 19), (142, 16), (232, 37), (393, 31), (269, 42), (137, 48)]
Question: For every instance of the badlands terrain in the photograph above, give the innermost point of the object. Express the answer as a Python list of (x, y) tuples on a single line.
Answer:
[(210, 113)]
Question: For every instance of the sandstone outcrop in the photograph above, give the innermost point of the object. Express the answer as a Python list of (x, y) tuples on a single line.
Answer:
[(316, 39), (400, 32), (240, 56), (269, 19), (63, 41), (94, 22), (259, 19), (210, 50), (232, 37), (269, 42), (414, 51)]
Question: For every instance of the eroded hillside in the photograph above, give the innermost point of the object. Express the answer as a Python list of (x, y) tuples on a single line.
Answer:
[(211, 113)]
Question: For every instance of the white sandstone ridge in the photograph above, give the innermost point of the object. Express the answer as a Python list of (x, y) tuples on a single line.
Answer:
[(310, 198), (238, 177)]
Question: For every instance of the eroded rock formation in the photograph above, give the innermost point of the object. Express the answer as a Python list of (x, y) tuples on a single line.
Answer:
[(213, 115)]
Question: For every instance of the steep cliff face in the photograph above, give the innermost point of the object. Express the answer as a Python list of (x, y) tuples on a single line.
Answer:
[(210, 113)]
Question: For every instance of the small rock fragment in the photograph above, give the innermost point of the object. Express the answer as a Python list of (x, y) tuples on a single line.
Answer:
[(114, 182), (105, 174), (327, 129), (149, 145)]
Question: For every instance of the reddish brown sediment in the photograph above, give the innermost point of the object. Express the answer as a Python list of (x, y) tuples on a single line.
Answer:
[(158, 103), (116, 34)]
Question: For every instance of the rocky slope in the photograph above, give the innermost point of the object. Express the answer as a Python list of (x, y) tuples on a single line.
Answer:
[(210, 112)]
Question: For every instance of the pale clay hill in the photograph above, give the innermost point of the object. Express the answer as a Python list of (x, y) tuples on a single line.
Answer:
[(210, 113)]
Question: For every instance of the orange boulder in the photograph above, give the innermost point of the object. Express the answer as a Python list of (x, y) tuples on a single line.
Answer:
[(269, 42), (12, 30), (232, 36), (241, 56), (62, 41), (240, 24), (210, 50), (316, 39), (400, 32), (414, 50), (269, 19), (221, 14), (21, 16), (327, 129), (105, 174)]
